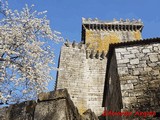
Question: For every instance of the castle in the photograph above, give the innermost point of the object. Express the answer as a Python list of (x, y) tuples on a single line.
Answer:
[(82, 67), (111, 69)]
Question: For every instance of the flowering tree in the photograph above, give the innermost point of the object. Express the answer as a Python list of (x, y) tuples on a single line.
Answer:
[(26, 59)]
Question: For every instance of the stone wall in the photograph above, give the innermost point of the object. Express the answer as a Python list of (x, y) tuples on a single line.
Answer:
[(102, 33), (82, 72), (139, 73), (55, 105), (135, 66), (100, 39)]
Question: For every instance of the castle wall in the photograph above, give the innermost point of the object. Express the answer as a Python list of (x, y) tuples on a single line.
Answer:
[(95, 73), (100, 39), (54, 105), (139, 74), (136, 68), (82, 67), (83, 76)]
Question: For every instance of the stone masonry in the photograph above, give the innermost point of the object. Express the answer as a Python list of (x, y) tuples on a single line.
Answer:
[(83, 75), (82, 66), (138, 73), (54, 105)]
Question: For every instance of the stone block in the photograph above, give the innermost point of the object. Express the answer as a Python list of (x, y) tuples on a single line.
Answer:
[(149, 47), (58, 107), (127, 86), (123, 61), (152, 64), (121, 50), (155, 48), (125, 94), (147, 69), (125, 53), (132, 81), (118, 56), (61, 93), (122, 70), (134, 61), (22, 111), (130, 56), (156, 72), (139, 93), (129, 77), (122, 65), (153, 85), (153, 57), (129, 99), (140, 55), (136, 72), (130, 48), (135, 51), (140, 86), (89, 115), (146, 51)]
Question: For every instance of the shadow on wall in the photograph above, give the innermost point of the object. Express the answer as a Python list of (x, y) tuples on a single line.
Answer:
[(148, 104), (150, 100)]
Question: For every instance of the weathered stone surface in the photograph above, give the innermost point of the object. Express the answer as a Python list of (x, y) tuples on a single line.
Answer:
[(22, 111), (123, 71), (147, 69), (129, 77), (126, 86), (123, 61), (129, 100), (136, 72), (135, 51), (146, 50), (118, 56), (153, 57), (51, 110), (100, 39), (130, 56), (134, 61), (139, 78), (61, 93), (122, 50), (76, 71), (3, 113), (58, 107), (89, 115)]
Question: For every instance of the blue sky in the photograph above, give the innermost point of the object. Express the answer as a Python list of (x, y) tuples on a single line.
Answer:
[(65, 15)]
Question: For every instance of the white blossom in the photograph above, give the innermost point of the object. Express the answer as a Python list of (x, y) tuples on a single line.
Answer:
[(26, 58)]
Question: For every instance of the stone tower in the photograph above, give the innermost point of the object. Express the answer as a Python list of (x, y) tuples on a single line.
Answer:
[(101, 33), (82, 67)]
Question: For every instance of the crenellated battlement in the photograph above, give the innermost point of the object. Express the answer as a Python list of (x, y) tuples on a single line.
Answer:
[(119, 25), (89, 53), (121, 21), (73, 44)]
